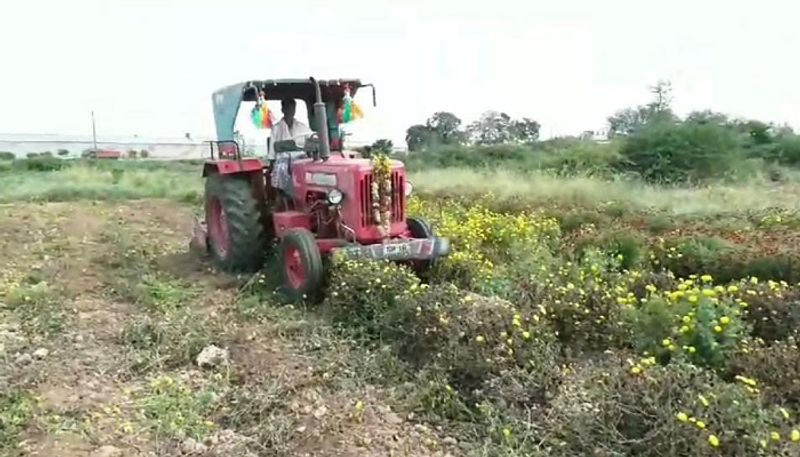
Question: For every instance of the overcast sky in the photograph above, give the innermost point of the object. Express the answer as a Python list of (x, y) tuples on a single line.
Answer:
[(149, 67)]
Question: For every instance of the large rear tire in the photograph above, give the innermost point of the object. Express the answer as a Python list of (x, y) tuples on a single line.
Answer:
[(236, 238), (302, 264)]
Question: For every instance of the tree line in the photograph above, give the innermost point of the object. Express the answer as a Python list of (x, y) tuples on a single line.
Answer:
[(649, 140), (492, 128)]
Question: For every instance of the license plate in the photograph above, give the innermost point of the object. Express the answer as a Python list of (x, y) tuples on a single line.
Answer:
[(391, 250)]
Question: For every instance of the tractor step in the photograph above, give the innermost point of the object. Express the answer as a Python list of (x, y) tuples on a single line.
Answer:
[(397, 250)]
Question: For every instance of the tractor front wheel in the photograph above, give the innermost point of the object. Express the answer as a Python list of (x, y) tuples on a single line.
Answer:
[(236, 238), (302, 264), (420, 228)]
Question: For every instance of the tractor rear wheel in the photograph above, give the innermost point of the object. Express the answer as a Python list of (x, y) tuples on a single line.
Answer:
[(236, 238), (420, 228), (302, 264)]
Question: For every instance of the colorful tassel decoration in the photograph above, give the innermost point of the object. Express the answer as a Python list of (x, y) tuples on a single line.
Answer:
[(260, 115), (350, 111)]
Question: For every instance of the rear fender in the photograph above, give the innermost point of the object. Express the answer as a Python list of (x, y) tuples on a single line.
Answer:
[(232, 167)]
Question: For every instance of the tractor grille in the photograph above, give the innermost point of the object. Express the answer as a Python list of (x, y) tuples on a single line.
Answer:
[(398, 194)]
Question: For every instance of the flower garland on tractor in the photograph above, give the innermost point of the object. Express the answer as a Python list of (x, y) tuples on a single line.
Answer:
[(382, 192)]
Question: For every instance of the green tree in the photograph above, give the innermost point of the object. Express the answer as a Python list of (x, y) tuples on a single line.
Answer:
[(525, 131), (445, 126), (629, 120), (417, 137), (382, 146), (493, 127)]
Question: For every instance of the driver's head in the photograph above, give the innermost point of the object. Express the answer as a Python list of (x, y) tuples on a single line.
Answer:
[(288, 106)]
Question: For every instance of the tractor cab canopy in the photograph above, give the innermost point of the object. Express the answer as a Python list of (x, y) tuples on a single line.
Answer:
[(227, 100)]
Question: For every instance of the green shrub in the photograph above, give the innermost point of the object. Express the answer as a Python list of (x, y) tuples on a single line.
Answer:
[(628, 247), (677, 152), (41, 163), (686, 256), (573, 221), (63, 152), (5, 155), (698, 321), (659, 223), (568, 157)]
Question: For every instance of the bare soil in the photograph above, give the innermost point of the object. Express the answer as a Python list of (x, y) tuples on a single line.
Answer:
[(86, 380)]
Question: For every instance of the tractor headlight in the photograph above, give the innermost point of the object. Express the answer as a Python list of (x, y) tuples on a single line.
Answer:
[(409, 188), (335, 196)]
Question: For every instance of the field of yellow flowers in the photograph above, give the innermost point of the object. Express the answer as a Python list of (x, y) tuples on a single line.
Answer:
[(534, 341)]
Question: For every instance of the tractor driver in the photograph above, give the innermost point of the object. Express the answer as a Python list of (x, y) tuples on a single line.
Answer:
[(290, 128)]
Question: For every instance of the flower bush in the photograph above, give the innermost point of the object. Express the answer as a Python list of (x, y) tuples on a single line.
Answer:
[(485, 241), (360, 293), (593, 343), (697, 319)]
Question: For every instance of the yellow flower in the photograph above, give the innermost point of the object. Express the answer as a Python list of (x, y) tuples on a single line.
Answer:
[(701, 425), (526, 335), (684, 329), (636, 370), (713, 440), (718, 329), (733, 289), (480, 338), (692, 298), (795, 436), (784, 413), (703, 400), (682, 417), (666, 342), (709, 292), (724, 320), (687, 319), (507, 432), (775, 436), (706, 278)]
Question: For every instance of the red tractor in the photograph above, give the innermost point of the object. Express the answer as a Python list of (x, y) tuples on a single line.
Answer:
[(310, 202)]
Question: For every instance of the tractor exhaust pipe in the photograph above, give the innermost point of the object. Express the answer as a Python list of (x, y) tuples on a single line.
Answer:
[(321, 117)]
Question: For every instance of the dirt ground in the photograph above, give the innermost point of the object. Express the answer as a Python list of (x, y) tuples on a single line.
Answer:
[(103, 312)]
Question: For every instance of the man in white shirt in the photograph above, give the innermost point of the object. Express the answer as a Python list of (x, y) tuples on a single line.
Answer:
[(288, 128)]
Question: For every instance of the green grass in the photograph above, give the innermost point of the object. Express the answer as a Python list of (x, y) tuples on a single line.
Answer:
[(183, 182), (16, 411), (84, 181), (540, 189)]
